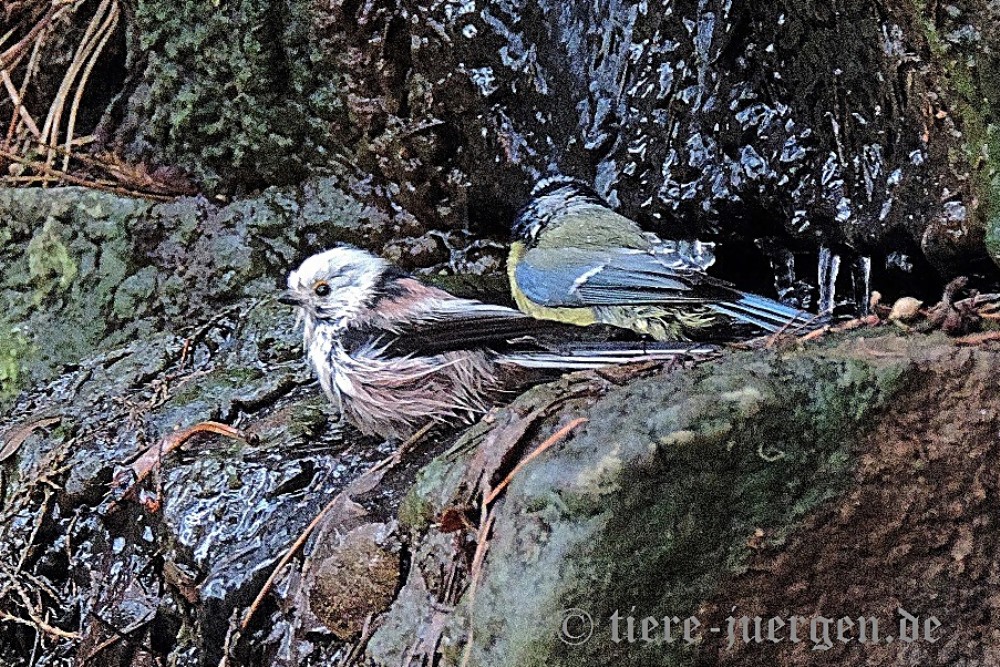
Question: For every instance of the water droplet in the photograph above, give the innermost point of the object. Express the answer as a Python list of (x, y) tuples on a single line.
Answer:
[(844, 209), (484, 79)]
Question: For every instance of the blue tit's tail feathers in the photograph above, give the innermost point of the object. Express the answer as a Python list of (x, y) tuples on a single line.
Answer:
[(592, 357), (767, 314)]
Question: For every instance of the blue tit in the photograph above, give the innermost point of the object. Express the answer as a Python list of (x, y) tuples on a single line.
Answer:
[(573, 259)]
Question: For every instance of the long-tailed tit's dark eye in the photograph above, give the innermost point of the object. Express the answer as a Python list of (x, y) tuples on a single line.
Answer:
[(322, 289)]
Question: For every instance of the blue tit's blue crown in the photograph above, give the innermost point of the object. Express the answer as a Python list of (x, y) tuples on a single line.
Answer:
[(550, 198)]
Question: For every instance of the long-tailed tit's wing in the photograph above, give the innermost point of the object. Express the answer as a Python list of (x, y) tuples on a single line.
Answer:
[(419, 319), (461, 332)]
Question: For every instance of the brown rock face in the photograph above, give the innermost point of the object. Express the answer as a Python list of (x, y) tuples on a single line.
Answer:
[(916, 531)]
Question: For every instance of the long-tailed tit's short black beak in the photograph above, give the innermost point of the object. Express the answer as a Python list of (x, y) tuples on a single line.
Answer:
[(290, 298)]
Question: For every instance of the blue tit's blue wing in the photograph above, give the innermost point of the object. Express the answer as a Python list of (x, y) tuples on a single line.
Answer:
[(577, 277)]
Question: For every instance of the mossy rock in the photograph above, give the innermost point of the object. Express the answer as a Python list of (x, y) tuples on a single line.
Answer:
[(237, 93), (88, 271), (651, 505)]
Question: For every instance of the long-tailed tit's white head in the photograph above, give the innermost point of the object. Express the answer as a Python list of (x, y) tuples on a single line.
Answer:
[(339, 285)]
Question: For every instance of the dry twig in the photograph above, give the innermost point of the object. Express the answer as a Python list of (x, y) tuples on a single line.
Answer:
[(548, 443), (127, 481)]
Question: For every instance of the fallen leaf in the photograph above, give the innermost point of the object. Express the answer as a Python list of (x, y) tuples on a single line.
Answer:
[(16, 437)]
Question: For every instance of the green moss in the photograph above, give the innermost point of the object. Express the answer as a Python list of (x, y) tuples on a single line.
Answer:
[(213, 389), (50, 265), (136, 293), (437, 481), (15, 349), (238, 93), (67, 254), (971, 81), (416, 511), (993, 238), (87, 271)]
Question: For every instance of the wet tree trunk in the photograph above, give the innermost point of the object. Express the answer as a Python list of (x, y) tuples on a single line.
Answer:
[(797, 123)]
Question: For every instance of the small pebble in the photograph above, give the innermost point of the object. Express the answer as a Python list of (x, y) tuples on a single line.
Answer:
[(905, 309)]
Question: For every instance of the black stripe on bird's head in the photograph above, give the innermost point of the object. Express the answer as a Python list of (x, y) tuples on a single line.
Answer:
[(550, 184), (551, 198), (388, 285)]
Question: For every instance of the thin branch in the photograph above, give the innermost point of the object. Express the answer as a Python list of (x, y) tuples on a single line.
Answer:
[(50, 131), (19, 109), (10, 54), (76, 180), (549, 442), (106, 30)]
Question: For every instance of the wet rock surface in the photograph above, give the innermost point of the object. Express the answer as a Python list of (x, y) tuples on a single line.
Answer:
[(915, 529), (679, 488), (809, 483), (866, 126), (89, 272), (163, 318), (855, 473)]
